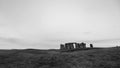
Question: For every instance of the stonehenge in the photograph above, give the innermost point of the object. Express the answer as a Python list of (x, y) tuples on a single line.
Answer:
[(73, 45), (69, 46)]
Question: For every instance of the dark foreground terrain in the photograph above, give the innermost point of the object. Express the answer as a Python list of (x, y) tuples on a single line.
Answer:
[(31, 58)]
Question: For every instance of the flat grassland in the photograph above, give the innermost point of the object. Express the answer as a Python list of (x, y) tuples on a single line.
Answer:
[(35, 58)]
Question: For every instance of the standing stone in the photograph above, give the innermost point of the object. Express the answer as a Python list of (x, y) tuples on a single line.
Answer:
[(91, 45), (67, 46), (62, 47), (71, 46), (77, 46), (83, 45)]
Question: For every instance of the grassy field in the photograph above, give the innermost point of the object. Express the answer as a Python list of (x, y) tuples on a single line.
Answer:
[(34, 58)]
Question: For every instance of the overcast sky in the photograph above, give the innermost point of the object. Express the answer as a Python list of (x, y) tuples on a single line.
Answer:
[(47, 23)]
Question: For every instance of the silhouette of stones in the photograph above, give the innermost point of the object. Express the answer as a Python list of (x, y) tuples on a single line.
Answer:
[(91, 45), (77, 45), (62, 47), (70, 46), (83, 45), (67, 46)]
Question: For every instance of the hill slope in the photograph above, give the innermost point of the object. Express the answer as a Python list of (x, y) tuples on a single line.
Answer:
[(96, 58)]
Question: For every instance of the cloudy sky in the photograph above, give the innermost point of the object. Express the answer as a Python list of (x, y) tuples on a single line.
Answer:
[(45, 24)]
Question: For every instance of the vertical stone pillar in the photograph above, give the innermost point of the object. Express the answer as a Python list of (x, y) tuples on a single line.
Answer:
[(71, 46), (79, 46), (62, 47), (66, 46), (83, 45), (91, 45), (76, 45)]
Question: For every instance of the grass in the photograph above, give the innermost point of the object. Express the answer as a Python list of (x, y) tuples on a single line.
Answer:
[(35, 58)]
